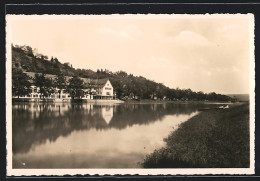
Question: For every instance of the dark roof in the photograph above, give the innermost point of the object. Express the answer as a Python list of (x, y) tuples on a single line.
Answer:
[(97, 83), (32, 75)]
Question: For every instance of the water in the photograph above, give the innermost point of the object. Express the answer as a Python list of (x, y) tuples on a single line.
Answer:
[(91, 135)]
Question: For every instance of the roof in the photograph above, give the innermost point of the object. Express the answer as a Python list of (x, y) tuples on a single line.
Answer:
[(97, 83), (32, 75)]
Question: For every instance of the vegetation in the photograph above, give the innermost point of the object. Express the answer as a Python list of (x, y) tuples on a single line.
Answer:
[(212, 139), (60, 82), (20, 83), (126, 86), (45, 85), (75, 87)]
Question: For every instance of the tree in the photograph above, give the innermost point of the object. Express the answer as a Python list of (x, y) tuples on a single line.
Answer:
[(44, 57), (45, 84), (49, 86), (188, 94), (29, 51), (212, 96), (20, 83), (60, 82), (75, 87)]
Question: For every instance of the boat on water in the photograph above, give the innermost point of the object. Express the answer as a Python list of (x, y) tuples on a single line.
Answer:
[(220, 107), (224, 107)]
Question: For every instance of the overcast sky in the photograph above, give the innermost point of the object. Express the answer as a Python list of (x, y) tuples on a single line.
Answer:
[(203, 52)]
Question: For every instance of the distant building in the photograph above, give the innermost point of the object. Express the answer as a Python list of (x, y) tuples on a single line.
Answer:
[(93, 89), (98, 88), (104, 89)]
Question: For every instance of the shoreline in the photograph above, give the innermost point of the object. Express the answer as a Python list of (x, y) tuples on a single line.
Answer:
[(211, 139), (48, 100), (144, 101), (176, 101)]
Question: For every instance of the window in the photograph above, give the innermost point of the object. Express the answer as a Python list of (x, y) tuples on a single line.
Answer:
[(63, 96), (108, 93), (107, 88)]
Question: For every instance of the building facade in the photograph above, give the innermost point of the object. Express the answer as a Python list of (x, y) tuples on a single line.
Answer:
[(93, 89), (103, 89)]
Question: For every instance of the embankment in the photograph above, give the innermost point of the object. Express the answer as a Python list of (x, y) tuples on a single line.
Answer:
[(50, 100), (149, 101), (217, 138)]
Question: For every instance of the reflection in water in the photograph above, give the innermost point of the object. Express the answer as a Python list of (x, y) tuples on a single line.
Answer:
[(107, 113), (91, 135)]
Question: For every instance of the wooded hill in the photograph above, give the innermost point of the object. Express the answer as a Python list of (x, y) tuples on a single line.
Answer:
[(126, 86)]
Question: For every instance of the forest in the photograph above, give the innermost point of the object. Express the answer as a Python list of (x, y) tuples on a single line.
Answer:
[(126, 86)]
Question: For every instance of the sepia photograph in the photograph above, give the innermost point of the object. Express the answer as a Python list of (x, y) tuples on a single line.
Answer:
[(130, 94)]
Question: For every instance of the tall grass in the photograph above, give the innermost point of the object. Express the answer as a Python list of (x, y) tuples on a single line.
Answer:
[(212, 139)]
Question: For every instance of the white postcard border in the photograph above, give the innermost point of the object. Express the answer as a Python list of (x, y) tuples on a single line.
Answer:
[(168, 171)]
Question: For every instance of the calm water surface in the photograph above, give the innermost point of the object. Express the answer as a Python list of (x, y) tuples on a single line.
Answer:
[(91, 135)]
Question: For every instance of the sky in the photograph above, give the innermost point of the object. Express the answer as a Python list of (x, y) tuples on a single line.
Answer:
[(209, 53)]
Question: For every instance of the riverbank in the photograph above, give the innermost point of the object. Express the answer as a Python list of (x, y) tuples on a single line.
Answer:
[(130, 101), (217, 138), (149, 101), (50, 100)]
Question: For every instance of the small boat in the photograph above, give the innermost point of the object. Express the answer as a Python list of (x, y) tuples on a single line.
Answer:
[(220, 107), (226, 107), (223, 107)]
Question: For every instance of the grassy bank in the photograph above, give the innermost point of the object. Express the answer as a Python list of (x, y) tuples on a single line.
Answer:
[(212, 139)]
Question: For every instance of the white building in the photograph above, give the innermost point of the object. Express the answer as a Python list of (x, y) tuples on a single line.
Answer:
[(103, 89), (93, 89)]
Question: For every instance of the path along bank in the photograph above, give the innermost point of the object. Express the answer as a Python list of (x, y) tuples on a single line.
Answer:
[(217, 138)]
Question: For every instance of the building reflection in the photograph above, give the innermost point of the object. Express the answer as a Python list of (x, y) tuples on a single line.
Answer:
[(107, 113), (35, 123)]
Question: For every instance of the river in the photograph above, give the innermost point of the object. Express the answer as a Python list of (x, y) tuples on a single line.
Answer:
[(92, 135)]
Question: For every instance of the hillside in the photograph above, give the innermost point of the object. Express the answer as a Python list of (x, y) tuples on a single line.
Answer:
[(29, 62), (125, 85)]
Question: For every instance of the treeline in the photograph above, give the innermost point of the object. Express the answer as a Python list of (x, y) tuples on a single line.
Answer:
[(21, 85), (126, 86)]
